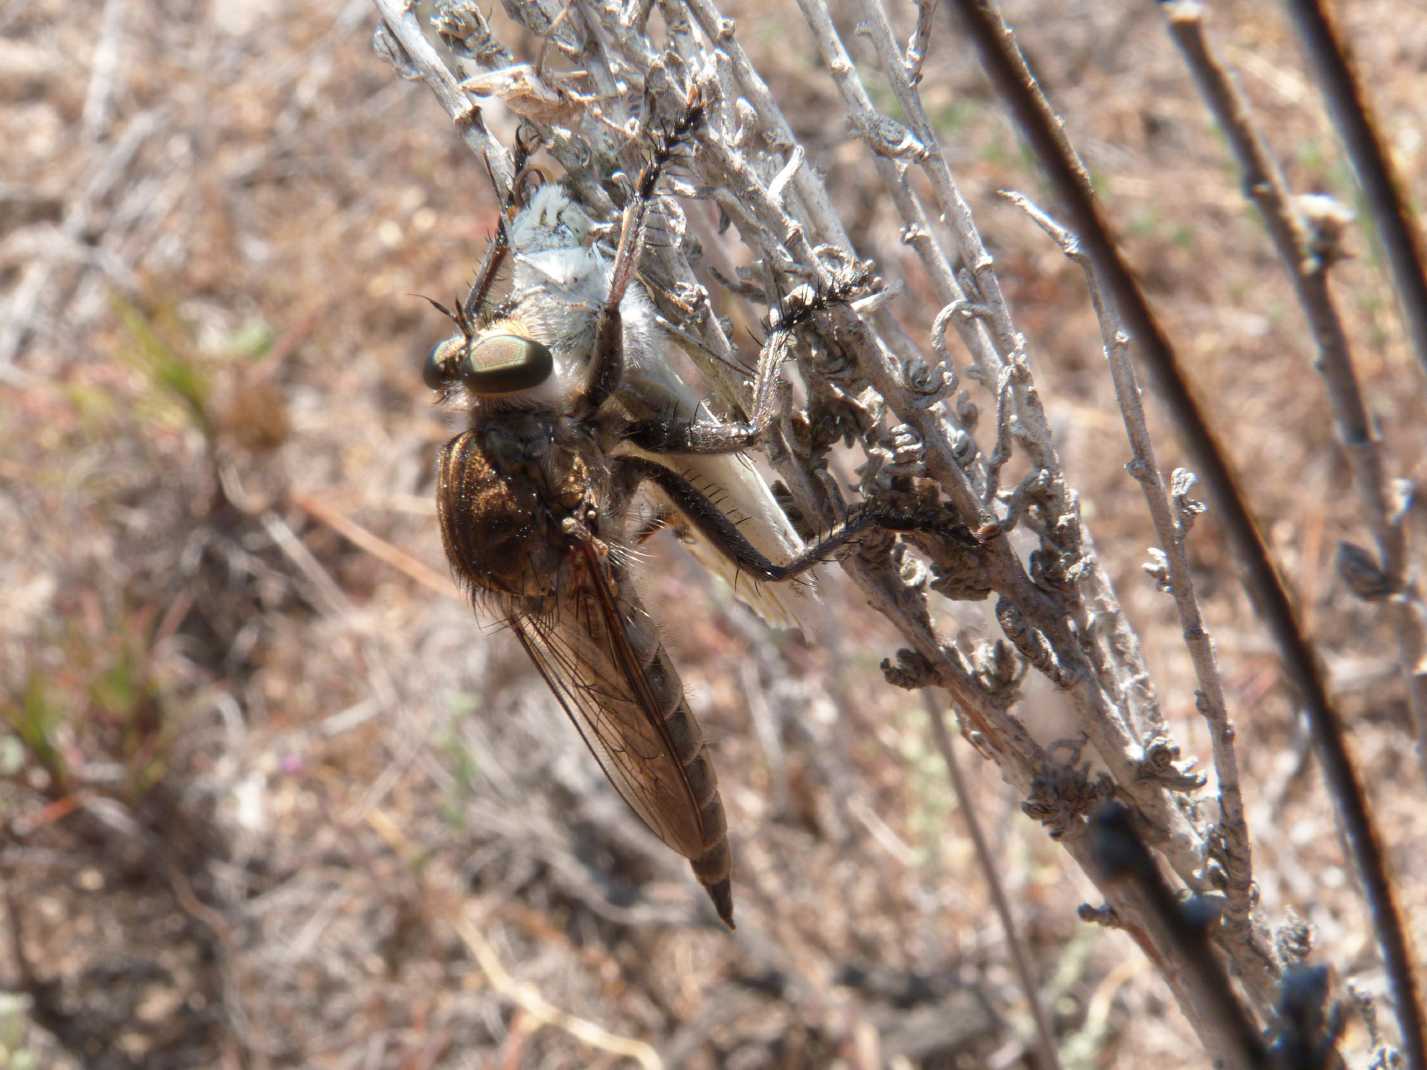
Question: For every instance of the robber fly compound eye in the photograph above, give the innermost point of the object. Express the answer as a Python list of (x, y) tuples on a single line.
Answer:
[(505, 363), (439, 368), (494, 364)]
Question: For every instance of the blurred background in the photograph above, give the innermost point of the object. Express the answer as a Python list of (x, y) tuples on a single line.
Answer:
[(273, 797)]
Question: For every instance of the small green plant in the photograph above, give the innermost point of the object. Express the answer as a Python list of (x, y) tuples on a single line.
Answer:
[(15, 1053), (175, 376), (35, 719)]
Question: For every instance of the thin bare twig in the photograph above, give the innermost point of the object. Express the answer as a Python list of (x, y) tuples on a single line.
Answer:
[(379, 548), (1307, 263), (103, 78), (529, 999), (1350, 113), (415, 56), (1045, 1038), (919, 41), (19, 319), (1234, 847)]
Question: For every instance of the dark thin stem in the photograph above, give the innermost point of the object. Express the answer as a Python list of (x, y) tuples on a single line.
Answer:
[(990, 869), (1308, 269), (1017, 86), (1117, 847), (1349, 111)]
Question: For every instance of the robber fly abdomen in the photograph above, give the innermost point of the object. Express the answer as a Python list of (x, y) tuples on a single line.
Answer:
[(664, 770)]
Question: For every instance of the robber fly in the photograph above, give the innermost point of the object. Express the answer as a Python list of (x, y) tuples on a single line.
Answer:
[(534, 497)]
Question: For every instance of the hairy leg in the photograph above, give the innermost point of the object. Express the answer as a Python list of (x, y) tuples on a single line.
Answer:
[(608, 358), (723, 533)]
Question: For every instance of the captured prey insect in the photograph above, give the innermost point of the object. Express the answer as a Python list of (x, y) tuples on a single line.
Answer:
[(534, 497)]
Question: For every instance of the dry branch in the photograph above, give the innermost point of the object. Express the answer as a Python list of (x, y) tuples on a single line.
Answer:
[(1017, 86)]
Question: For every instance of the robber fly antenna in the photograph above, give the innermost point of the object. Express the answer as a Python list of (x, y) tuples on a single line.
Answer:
[(456, 316)]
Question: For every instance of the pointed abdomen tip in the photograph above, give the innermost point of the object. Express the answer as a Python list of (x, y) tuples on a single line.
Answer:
[(721, 892)]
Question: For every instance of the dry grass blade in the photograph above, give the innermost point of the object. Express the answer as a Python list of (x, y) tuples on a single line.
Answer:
[(528, 998)]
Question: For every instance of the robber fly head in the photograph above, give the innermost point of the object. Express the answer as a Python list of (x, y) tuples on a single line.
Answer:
[(489, 363), (494, 354)]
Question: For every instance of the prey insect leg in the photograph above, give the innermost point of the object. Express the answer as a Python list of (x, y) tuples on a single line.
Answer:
[(673, 435), (722, 533)]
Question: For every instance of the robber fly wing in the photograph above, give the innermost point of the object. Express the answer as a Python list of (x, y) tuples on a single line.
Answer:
[(586, 656)]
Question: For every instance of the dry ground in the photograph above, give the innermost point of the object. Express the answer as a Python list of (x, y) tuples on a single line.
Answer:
[(261, 762)]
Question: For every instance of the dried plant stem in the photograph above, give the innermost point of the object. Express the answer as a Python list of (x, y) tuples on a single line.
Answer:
[(1124, 856), (379, 548), (419, 58), (950, 204), (1307, 269), (917, 45), (1045, 1038), (1235, 848), (784, 239), (1021, 758), (1130, 910), (749, 83), (999, 350), (529, 999), (872, 125), (1389, 207), (99, 96), (990, 335), (1017, 86), (18, 321), (865, 377)]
